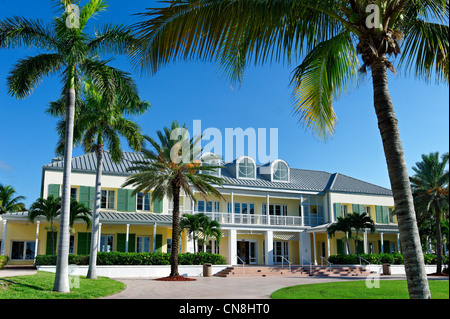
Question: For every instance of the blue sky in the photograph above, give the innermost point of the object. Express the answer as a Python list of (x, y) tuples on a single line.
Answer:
[(188, 91)]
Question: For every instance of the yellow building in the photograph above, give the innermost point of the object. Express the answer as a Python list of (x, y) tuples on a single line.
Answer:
[(269, 214)]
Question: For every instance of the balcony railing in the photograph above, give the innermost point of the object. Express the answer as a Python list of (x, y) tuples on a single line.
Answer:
[(255, 219)]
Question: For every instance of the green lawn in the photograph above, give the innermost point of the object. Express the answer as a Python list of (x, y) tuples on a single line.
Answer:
[(389, 289), (40, 286)]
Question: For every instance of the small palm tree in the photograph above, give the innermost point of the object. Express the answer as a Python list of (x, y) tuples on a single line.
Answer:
[(68, 50), (50, 208), (173, 167), (360, 222), (79, 211), (210, 228), (10, 203), (191, 223), (430, 190), (98, 123), (342, 224)]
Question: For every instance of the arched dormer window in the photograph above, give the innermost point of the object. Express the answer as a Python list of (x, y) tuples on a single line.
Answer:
[(212, 160), (280, 171), (246, 168)]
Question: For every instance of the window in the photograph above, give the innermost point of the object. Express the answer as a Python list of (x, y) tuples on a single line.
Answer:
[(281, 252), (108, 199), (143, 201), (277, 210), (313, 211), (22, 250), (246, 168), (344, 210), (242, 208), (391, 215), (280, 172), (207, 207), (368, 211), (73, 192), (143, 244), (106, 243), (211, 160)]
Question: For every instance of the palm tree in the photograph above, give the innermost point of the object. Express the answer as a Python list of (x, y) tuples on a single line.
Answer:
[(210, 228), (191, 223), (329, 36), (79, 211), (173, 167), (95, 124), (9, 203), (360, 222), (66, 49), (50, 208), (430, 190), (342, 224)]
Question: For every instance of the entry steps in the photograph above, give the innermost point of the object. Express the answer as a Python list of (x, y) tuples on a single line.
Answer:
[(295, 271)]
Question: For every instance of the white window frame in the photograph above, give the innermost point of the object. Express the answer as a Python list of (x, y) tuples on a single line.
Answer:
[(105, 243), (143, 202), (107, 199), (238, 163), (214, 160), (140, 243), (272, 171), (24, 254)]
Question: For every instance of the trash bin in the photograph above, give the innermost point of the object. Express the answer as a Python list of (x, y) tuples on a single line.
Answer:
[(387, 269), (207, 270)]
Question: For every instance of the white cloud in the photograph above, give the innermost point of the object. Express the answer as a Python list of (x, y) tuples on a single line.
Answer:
[(5, 167)]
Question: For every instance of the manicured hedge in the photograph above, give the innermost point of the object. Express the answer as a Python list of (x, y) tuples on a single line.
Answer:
[(378, 259), (3, 261), (120, 258)]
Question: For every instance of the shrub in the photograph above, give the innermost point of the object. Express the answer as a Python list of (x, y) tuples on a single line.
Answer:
[(3, 261), (120, 258), (378, 259)]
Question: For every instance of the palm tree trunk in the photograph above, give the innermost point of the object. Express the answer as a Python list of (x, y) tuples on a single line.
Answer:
[(62, 262), (400, 184), (92, 271), (175, 232), (437, 214)]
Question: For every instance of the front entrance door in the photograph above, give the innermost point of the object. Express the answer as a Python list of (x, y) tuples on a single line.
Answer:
[(247, 252)]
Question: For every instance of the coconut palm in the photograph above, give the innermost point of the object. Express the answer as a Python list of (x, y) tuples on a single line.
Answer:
[(328, 36), (79, 211), (96, 124), (360, 222), (172, 167), (9, 203), (50, 208), (65, 48), (209, 229), (342, 224), (430, 190)]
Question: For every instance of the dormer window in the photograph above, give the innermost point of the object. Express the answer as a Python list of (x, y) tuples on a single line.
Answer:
[(280, 171), (246, 168)]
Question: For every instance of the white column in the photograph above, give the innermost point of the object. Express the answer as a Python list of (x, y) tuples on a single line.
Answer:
[(192, 206), (2, 252), (301, 209), (328, 246), (154, 237), (99, 246), (232, 208), (267, 208), (382, 243), (232, 247), (37, 239), (315, 250), (300, 248), (398, 243), (365, 242), (445, 244), (269, 247), (126, 240)]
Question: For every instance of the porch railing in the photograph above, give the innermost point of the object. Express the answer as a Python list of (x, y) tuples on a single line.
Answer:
[(254, 219)]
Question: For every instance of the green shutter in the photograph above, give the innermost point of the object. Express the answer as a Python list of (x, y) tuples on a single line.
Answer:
[(122, 242), (122, 200), (157, 206), (158, 248), (53, 190), (340, 246), (337, 210), (360, 247), (84, 244), (378, 214), (358, 208), (48, 246), (385, 211), (87, 195), (131, 201), (386, 248)]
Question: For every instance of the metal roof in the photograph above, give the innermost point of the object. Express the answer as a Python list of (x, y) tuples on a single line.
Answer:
[(300, 179)]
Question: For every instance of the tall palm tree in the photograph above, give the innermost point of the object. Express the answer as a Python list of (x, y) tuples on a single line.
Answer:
[(430, 190), (50, 208), (172, 167), (66, 49), (329, 36), (191, 223), (10, 203), (98, 123), (360, 222)]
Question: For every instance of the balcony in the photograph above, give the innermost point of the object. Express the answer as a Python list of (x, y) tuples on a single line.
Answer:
[(254, 219)]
